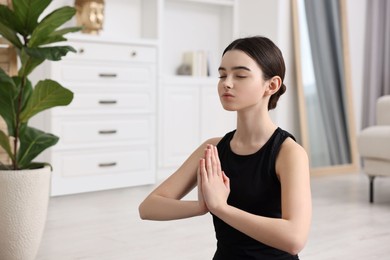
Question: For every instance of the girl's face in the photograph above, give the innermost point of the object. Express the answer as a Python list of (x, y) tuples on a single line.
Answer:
[(241, 85)]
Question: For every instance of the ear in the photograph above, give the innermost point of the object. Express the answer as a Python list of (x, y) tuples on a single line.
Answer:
[(273, 85)]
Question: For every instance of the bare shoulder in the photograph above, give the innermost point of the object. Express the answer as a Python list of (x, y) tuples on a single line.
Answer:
[(292, 156), (292, 148)]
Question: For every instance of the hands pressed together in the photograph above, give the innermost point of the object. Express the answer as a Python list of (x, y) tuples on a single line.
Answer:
[(213, 184)]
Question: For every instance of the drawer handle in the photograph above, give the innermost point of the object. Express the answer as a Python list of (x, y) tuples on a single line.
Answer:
[(107, 75), (81, 50), (104, 102), (107, 132), (107, 164), (133, 54)]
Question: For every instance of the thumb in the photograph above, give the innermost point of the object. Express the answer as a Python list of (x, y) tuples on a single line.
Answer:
[(225, 179)]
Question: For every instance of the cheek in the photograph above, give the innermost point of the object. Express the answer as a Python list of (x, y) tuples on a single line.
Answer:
[(220, 88)]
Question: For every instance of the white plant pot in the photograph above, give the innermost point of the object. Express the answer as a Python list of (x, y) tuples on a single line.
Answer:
[(24, 198)]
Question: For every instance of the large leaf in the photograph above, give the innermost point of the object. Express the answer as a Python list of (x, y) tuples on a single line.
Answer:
[(46, 94), (28, 12), (27, 89), (4, 142), (38, 165), (49, 24), (57, 36), (9, 19), (10, 35), (66, 30), (8, 99), (29, 63), (54, 53), (32, 143)]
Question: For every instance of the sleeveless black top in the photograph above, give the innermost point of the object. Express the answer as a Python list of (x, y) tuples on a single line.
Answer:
[(255, 188)]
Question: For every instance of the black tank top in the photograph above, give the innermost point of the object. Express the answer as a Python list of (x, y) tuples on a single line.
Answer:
[(255, 188)]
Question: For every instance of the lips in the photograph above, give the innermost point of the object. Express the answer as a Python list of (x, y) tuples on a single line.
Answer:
[(227, 95)]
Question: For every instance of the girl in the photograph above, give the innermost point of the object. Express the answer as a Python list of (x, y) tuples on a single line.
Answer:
[(255, 180)]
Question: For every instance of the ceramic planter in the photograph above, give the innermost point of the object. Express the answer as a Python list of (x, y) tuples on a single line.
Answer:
[(24, 197)]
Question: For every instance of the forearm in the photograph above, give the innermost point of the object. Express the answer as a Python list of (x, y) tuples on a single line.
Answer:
[(286, 235), (156, 207)]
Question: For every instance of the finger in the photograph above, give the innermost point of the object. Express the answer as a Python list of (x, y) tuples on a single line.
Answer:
[(212, 156), (216, 160), (226, 180), (209, 166), (198, 175), (202, 169)]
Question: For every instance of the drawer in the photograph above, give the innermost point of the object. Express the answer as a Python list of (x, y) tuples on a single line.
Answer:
[(106, 73), (139, 102), (112, 52), (94, 131), (110, 162)]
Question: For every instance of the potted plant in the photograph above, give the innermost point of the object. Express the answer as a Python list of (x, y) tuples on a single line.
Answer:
[(25, 184)]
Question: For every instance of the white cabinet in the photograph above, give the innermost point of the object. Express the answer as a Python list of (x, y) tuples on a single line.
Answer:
[(215, 121), (107, 134), (180, 121), (189, 108), (132, 117), (191, 114)]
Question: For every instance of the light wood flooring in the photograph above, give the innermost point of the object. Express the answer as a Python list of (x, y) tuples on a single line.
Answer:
[(105, 226)]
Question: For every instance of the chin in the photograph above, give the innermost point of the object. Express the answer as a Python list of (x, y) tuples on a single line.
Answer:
[(229, 108)]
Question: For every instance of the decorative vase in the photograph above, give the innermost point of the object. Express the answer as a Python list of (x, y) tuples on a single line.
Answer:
[(24, 198)]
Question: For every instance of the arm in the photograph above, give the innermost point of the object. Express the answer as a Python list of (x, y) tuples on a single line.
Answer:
[(164, 203), (288, 233)]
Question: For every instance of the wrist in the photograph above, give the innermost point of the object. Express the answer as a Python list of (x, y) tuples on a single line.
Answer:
[(202, 209), (220, 210)]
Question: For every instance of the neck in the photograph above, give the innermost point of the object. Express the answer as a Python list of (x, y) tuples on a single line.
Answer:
[(254, 126)]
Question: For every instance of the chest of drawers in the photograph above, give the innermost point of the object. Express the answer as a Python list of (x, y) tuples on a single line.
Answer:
[(107, 134)]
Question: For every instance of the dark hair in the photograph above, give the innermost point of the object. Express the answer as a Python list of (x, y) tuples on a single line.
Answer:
[(268, 56)]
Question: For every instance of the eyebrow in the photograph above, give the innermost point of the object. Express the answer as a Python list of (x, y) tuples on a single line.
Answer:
[(235, 68)]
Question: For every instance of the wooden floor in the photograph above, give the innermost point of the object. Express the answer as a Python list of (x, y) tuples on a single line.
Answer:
[(105, 226)]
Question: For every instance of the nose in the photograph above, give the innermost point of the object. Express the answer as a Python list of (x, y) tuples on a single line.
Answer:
[(227, 83)]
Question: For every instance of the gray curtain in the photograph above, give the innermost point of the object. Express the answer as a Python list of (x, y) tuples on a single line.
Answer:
[(376, 76), (324, 28)]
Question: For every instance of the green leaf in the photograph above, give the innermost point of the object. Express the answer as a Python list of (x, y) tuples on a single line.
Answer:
[(27, 89), (5, 78), (38, 165), (4, 142), (66, 30), (10, 35), (51, 22), (32, 143), (28, 12), (46, 94), (29, 63), (54, 53), (57, 36), (9, 19), (8, 99)]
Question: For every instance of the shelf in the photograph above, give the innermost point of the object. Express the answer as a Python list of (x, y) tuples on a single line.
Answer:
[(193, 25), (189, 80), (211, 2), (117, 40)]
